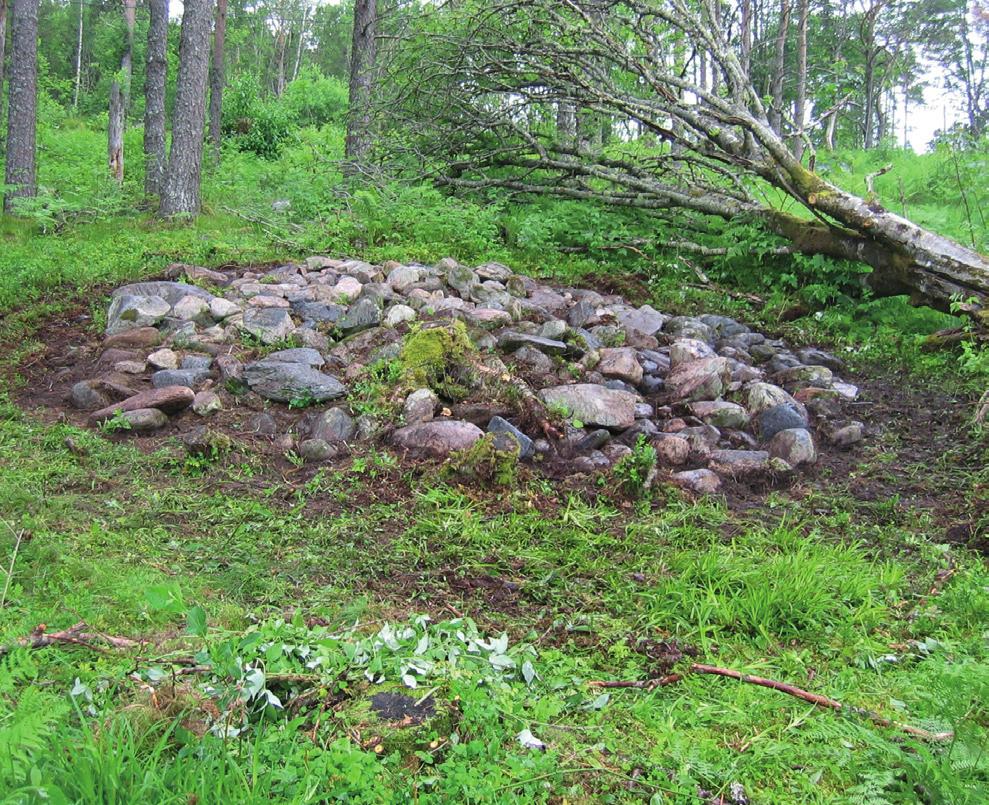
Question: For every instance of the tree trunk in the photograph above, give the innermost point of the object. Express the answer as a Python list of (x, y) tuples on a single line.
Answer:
[(800, 106), (3, 44), (180, 194), (22, 117), (78, 84), (119, 100), (745, 58), (154, 98), (216, 78), (779, 65), (362, 58), (281, 42), (298, 47)]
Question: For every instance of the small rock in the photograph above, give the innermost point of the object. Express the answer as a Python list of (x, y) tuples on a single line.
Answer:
[(292, 382), (794, 445), (196, 362), (206, 403), (86, 397), (462, 279), (701, 482), (420, 406), (138, 337), (779, 418), (361, 315), (525, 444), (819, 376), (671, 451), (130, 312), (144, 419), (761, 396), (264, 300), (511, 341), (170, 399), (594, 405), (720, 414), (261, 425), (179, 377), (334, 425), (687, 350), (847, 435), (268, 324), (704, 379), (620, 363), (397, 314), (438, 438), (645, 320), (164, 358), (554, 329), (130, 367), (740, 464), (190, 308), (402, 278), (315, 450), (307, 356)]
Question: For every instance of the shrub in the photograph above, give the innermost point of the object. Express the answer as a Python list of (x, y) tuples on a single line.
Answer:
[(255, 123)]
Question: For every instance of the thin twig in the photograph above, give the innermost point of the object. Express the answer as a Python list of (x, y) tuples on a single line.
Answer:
[(18, 536), (783, 687)]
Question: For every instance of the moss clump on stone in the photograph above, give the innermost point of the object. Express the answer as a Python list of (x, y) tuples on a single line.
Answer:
[(487, 461), (440, 358)]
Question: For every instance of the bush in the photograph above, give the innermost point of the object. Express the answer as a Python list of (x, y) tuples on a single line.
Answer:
[(315, 100), (255, 123)]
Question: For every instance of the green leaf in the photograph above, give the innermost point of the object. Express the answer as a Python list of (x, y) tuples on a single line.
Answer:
[(195, 620)]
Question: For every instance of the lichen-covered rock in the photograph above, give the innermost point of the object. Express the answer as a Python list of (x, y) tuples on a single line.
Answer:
[(594, 405), (720, 413), (141, 420), (268, 324), (129, 312), (700, 482), (296, 383), (780, 417), (502, 426)]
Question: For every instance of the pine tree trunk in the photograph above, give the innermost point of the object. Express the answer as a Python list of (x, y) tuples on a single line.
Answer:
[(23, 102), (779, 65), (78, 83), (800, 105), (154, 98), (180, 194), (362, 59), (3, 44), (120, 100), (217, 78)]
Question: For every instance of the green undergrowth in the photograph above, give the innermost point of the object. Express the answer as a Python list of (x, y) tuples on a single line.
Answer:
[(301, 602)]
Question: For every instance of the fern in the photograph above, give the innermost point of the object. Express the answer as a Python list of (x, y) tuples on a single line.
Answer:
[(30, 720)]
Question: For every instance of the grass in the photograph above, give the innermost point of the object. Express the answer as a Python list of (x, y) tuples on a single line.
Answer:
[(834, 599), (231, 562)]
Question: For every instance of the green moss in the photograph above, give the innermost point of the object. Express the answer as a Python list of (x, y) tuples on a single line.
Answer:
[(440, 358), (485, 461)]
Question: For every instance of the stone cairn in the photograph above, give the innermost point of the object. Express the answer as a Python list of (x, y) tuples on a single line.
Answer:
[(715, 399)]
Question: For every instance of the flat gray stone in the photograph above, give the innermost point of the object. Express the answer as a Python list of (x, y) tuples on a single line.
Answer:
[(420, 406), (593, 404), (361, 315), (645, 320), (179, 377), (171, 292), (304, 355), (511, 341), (335, 425), (292, 382), (778, 418), (268, 324), (704, 379)]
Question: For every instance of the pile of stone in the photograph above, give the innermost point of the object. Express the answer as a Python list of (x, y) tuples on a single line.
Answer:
[(714, 398)]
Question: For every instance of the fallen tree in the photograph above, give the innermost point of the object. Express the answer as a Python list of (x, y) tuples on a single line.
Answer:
[(598, 100)]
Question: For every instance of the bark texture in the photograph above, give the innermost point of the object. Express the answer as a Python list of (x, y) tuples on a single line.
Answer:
[(180, 193), (120, 99), (154, 98), (3, 44), (23, 102), (217, 77), (362, 62)]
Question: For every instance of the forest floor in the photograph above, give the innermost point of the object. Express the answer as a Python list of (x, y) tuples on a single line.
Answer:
[(864, 581)]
